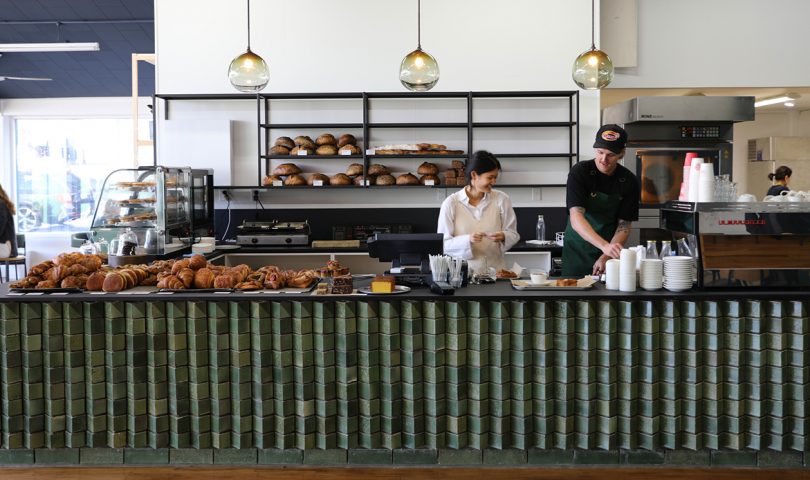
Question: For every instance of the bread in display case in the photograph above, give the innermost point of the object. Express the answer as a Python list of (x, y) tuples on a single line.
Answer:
[(146, 199)]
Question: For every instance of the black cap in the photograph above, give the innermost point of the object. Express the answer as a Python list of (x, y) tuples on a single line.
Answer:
[(612, 137)]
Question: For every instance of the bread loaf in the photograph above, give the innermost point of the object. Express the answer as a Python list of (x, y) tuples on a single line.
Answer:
[(318, 176), (407, 179), (427, 168), (349, 150), (457, 164), (361, 180), (326, 139), (304, 140), (386, 180), (303, 148), (283, 169), (295, 180), (268, 180), (377, 169), (346, 139), (279, 150), (285, 142), (340, 179), (326, 150), (354, 169), (424, 179)]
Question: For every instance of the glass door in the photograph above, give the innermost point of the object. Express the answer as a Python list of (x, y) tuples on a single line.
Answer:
[(660, 172)]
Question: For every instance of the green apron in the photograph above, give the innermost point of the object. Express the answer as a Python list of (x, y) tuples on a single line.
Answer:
[(602, 212)]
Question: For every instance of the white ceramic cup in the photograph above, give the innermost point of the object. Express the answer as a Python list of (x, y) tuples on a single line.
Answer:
[(747, 197), (538, 276)]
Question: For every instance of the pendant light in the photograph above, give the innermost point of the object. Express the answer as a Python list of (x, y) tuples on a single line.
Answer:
[(593, 69), (419, 71), (248, 72)]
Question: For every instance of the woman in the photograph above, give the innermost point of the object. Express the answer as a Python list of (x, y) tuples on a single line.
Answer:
[(782, 177), (478, 222), (8, 239)]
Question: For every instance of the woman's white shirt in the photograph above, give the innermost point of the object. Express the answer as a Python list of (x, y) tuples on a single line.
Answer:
[(457, 243)]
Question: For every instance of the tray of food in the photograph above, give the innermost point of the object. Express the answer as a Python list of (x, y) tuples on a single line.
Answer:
[(46, 290), (583, 283)]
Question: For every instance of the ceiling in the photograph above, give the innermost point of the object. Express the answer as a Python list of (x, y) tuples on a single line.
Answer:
[(122, 27)]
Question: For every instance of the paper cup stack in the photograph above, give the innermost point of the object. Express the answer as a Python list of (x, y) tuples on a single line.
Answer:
[(706, 183), (652, 274), (678, 273), (612, 274), (693, 192), (627, 270)]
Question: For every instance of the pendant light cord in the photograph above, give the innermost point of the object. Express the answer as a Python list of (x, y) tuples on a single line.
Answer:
[(593, 25), (419, 24), (248, 23)]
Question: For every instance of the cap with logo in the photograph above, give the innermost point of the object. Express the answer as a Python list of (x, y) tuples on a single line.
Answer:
[(612, 137)]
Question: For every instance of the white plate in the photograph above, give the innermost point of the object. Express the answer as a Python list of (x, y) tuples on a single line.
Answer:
[(678, 289), (228, 247), (397, 290)]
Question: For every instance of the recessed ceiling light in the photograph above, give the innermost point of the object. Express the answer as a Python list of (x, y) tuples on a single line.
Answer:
[(790, 104), (774, 100)]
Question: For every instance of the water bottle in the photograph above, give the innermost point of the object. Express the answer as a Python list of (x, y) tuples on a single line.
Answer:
[(666, 249), (541, 228), (652, 249)]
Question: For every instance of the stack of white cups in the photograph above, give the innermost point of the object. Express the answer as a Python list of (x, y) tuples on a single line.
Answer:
[(694, 180), (612, 274), (627, 270), (706, 183)]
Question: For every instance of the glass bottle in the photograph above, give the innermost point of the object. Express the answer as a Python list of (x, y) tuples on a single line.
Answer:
[(541, 228), (666, 249), (652, 249)]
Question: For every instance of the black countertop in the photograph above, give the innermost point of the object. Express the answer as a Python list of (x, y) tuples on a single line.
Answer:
[(555, 250)]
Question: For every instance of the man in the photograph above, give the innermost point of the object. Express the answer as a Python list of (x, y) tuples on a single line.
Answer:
[(602, 199)]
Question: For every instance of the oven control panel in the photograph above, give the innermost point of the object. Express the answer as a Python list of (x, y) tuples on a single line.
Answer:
[(711, 131)]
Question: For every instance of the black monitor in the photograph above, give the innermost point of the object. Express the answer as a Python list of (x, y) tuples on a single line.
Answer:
[(406, 249)]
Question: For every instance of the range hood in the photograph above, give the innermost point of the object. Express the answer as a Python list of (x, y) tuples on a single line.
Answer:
[(680, 109)]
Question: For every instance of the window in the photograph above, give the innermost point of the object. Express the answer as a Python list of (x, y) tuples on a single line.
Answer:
[(61, 165)]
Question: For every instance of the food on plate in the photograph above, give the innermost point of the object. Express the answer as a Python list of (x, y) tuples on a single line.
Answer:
[(322, 288), (566, 282), (333, 269), (326, 139), (171, 282), (279, 150), (285, 142), (503, 273), (283, 169), (407, 179), (354, 169), (224, 282), (383, 284), (346, 139)]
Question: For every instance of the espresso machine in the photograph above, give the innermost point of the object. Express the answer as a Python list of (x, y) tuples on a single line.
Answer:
[(746, 244)]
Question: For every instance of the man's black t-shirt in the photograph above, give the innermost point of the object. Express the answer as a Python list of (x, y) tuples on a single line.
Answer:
[(584, 179)]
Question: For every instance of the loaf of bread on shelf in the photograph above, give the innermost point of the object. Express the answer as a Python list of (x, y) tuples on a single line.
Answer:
[(377, 169), (295, 180), (457, 164), (303, 150), (427, 168), (285, 142), (362, 180), (279, 150), (327, 149), (383, 284), (346, 139), (426, 179), (386, 180), (340, 179), (407, 179), (354, 169), (349, 150), (268, 180), (283, 169), (326, 139), (304, 140), (318, 176)]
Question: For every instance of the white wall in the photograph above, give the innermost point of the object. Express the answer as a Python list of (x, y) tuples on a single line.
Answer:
[(719, 43)]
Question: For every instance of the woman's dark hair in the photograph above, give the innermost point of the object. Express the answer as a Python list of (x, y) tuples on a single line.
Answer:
[(781, 173), (480, 163)]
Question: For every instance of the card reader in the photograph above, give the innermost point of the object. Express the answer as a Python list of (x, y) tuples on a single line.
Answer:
[(442, 288)]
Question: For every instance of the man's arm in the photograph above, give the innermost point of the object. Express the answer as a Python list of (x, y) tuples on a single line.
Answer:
[(581, 225), (619, 237)]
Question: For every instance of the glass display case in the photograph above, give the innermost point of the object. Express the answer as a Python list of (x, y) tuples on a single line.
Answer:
[(153, 202)]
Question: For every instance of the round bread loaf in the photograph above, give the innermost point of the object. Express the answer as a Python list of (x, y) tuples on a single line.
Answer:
[(424, 178), (268, 180), (285, 142), (286, 169), (386, 180), (427, 168), (295, 180), (279, 150), (407, 179), (377, 169), (326, 150), (310, 149), (113, 282), (354, 169), (340, 179), (326, 139), (303, 140), (361, 180), (346, 139), (349, 150), (96, 281), (318, 176)]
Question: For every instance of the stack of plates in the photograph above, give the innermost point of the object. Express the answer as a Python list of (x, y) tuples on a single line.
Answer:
[(678, 273), (651, 274)]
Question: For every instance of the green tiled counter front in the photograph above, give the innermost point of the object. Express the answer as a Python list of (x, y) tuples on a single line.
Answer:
[(405, 381)]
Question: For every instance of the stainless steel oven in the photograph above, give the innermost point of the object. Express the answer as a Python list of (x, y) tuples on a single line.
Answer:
[(661, 130)]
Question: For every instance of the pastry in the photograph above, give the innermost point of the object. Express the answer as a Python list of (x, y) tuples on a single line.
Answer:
[(346, 139), (326, 139), (407, 179), (303, 150), (286, 169), (203, 278), (566, 282), (113, 282), (425, 178), (186, 276), (340, 179), (197, 262), (95, 281), (377, 169), (268, 180), (382, 284), (361, 180), (349, 150), (354, 169), (279, 150), (46, 284), (224, 282), (318, 176), (295, 180), (326, 150), (427, 168), (304, 140), (503, 273), (342, 285), (285, 142), (72, 281), (386, 180)]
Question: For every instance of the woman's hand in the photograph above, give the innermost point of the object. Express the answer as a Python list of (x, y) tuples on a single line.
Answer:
[(477, 237), (496, 236)]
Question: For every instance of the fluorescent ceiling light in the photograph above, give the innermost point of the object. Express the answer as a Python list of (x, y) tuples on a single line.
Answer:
[(775, 100), (50, 47)]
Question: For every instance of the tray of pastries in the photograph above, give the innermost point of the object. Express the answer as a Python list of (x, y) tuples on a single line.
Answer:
[(583, 283)]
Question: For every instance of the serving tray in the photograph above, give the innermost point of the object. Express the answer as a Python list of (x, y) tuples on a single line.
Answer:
[(582, 284)]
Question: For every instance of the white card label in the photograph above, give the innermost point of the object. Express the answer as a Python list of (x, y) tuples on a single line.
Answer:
[(429, 183), (317, 183), (367, 182), (370, 151), (344, 152), (302, 153), (277, 183)]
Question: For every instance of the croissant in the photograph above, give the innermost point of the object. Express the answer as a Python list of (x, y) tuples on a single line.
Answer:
[(186, 275), (248, 286), (224, 281), (41, 268), (46, 284), (197, 262), (179, 265), (72, 281), (203, 278), (149, 281), (58, 272), (172, 283)]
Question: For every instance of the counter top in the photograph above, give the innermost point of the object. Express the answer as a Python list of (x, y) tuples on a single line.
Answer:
[(519, 247)]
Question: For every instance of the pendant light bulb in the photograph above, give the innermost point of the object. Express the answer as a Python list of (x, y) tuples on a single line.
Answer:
[(248, 72), (593, 69), (419, 70)]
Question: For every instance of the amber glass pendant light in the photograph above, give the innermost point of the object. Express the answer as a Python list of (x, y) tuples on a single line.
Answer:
[(593, 69), (419, 71), (248, 72)]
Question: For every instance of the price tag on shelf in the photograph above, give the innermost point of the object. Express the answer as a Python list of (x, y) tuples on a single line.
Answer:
[(302, 153), (429, 183), (317, 183), (367, 182), (370, 151), (277, 183), (344, 152)]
